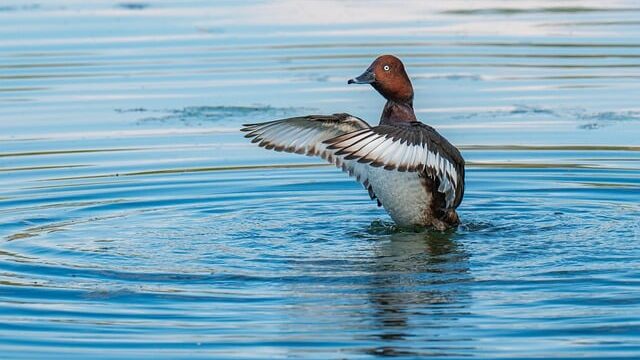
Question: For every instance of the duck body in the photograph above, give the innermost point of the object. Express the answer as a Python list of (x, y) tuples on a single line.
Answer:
[(405, 165), (406, 196)]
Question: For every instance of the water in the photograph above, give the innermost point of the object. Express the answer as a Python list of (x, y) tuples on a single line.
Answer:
[(136, 222)]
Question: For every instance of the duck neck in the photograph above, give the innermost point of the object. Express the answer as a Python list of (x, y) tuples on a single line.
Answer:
[(397, 112)]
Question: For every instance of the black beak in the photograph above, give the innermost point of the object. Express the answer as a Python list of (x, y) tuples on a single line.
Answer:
[(367, 77)]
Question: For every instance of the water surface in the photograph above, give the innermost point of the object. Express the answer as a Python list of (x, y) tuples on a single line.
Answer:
[(136, 222)]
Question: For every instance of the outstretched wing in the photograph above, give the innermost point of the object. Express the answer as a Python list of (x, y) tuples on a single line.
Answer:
[(413, 147), (306, 135)]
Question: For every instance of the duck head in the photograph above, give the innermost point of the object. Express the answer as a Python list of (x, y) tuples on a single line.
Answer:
[(387, 75)]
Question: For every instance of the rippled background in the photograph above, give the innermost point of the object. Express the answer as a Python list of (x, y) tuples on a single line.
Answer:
[(136, 222)]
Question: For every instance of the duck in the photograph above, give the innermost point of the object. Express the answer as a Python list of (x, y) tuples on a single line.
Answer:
[(406, 166)]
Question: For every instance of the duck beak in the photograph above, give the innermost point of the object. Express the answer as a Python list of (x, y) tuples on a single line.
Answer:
[(367, 77)]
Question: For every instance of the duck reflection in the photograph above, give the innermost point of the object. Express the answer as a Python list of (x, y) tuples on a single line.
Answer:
[(384, 293), (418, 289)]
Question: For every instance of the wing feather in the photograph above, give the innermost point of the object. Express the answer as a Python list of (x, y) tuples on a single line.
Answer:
[(412, 147), (354, 146), (307, 135)]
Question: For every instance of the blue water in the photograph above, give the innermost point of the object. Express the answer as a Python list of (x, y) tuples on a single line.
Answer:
[(136, 222)]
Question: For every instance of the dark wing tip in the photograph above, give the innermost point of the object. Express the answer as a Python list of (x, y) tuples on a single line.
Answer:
[(248, 127)]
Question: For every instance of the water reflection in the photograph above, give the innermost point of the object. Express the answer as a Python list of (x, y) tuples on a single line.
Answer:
[(418, 289)]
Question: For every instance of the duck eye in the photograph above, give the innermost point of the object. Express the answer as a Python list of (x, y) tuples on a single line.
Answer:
[(386, 68)]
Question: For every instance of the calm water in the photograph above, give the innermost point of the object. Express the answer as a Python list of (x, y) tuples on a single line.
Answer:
[(136, 222)]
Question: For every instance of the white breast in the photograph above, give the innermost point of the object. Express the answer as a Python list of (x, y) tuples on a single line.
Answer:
[(402, 194)]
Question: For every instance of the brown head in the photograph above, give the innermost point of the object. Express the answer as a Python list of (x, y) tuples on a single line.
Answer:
[(387, 75)]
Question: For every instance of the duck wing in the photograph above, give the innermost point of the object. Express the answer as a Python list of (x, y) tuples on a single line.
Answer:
[(410, 147), (304, 134), (307, 135)]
